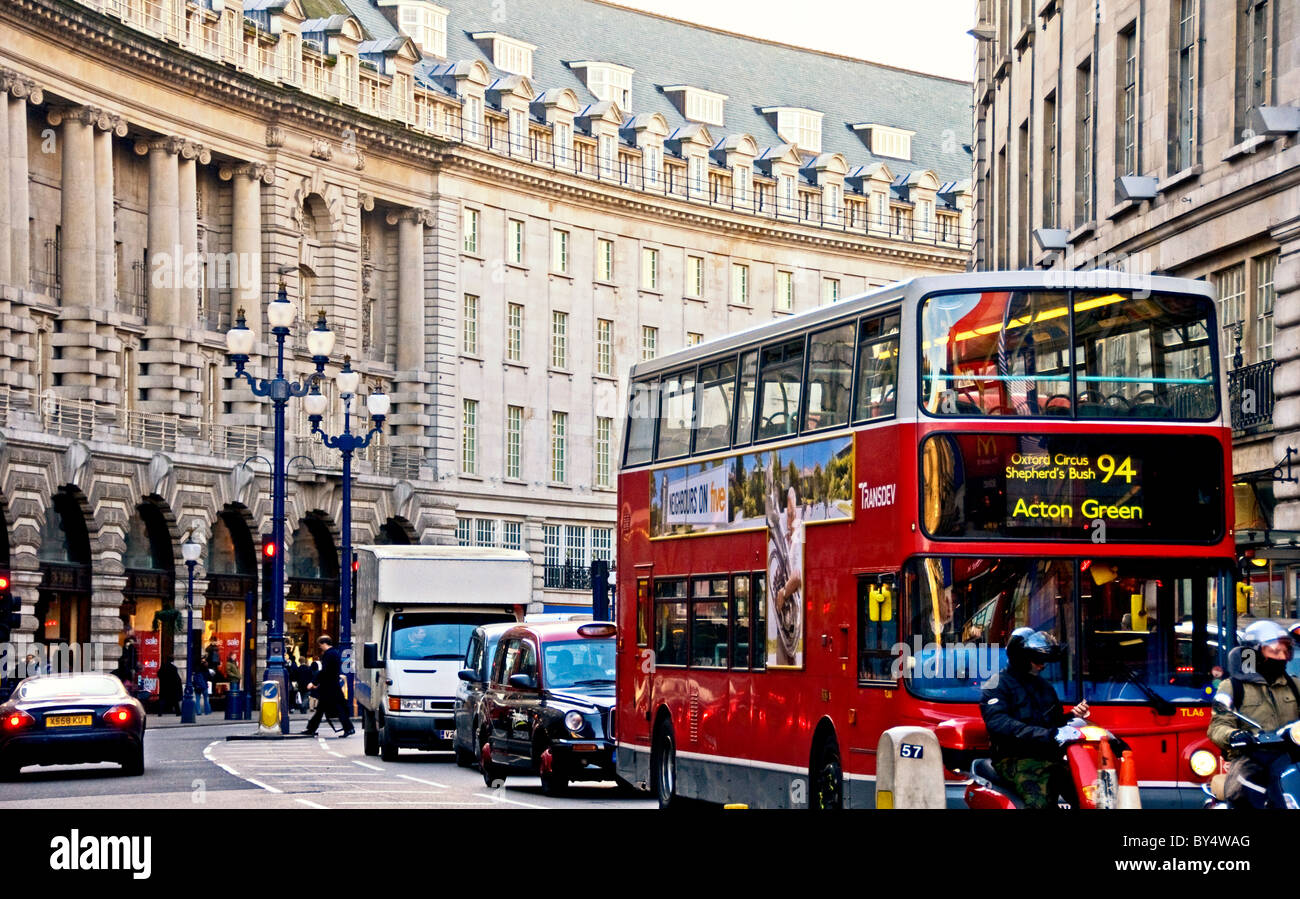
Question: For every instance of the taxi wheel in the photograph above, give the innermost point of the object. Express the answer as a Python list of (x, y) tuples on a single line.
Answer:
[(663, 767), (554, 782), (493, 775)]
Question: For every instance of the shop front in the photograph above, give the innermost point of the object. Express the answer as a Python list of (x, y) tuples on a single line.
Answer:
[(230, 615), (311, 609), (149, 605), (63, 603)]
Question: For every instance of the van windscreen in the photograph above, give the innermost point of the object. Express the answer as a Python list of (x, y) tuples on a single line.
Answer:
[(436, 635)]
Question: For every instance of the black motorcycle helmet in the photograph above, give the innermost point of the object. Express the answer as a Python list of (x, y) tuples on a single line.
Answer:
[(1028, 645)]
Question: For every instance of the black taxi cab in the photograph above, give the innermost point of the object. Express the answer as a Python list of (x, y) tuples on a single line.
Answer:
[(546, 708)]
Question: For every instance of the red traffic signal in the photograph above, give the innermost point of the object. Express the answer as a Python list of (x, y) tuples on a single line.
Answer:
[(4, 582), (268, 549)]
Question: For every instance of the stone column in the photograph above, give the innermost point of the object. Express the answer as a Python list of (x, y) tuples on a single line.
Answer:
[(164, 228), (105, 225), (1286, 377), (246, 240), (77, 205), (410, 286), (21, 90), (6, 226), (188, 222)]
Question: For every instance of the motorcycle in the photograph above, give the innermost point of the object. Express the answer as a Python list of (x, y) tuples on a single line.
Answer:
[(1101, 766), (1267, 746)]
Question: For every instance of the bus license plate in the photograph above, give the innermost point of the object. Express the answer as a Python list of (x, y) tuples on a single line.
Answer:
[(910, 750), (68, 721)]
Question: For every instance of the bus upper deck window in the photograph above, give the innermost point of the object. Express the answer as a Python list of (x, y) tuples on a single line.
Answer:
[(745, 402), (830, 378), (714, 405), (642, 410), (877, 368), (782, 383)]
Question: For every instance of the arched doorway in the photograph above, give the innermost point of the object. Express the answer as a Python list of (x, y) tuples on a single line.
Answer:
[(231, 598), (394, 532), (149, 600), (63, 604), (312, 607)]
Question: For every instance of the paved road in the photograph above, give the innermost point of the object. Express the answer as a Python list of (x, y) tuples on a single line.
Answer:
[(196, 767)]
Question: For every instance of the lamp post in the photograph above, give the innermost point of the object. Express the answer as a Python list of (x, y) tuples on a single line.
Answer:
[(239, 344), (347, 443), (190, 551)]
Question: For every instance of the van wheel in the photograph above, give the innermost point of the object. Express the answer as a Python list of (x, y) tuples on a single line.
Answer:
[(387, 747), (369, 735), (464, 758), (663, 767), (827, 777)]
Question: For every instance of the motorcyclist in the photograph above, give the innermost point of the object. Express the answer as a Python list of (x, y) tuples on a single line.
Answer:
[(1026, 726), (1260, 689)]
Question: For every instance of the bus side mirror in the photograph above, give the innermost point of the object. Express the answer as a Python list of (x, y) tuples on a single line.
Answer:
[(880, 603)]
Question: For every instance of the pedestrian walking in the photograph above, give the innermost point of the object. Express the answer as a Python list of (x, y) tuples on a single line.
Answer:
[(329, 695), (199, 679)]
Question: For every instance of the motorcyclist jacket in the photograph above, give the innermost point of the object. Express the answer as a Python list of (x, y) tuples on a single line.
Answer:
[(1270, 704), (1021, 714)]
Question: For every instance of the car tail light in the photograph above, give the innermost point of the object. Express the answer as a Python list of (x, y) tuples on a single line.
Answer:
[(17, 720), (119, 715)]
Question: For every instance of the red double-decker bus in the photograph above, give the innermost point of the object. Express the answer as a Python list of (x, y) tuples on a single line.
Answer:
[(831, 523)]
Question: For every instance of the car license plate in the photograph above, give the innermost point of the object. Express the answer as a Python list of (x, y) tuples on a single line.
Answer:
[(68, 721)]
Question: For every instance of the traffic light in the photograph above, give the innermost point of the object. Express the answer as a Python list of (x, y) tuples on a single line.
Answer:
[(9, 617), (600, 590), (268, 576)]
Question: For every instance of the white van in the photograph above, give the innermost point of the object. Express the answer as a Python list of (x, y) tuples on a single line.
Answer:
[(416, 609)]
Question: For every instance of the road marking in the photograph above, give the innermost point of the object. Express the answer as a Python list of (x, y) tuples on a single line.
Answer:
[(511, 801), (311, 804), (269, 789), (207, 754), (367, 765), (421, 781)]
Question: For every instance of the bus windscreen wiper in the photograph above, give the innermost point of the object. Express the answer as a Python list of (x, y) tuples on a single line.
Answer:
[(1162, 706)]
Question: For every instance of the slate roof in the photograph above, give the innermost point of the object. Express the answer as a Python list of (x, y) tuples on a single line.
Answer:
[(752, 73)]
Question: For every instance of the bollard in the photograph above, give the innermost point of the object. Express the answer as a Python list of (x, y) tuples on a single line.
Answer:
[(269, 719), (234, 705), (909, 769)]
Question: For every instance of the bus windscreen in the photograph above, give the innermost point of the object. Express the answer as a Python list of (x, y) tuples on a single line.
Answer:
[(1097, 487)]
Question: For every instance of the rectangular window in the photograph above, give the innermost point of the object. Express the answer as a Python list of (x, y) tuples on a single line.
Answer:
[(602, 544), (469, 437), (676, 415), (695, 276), (877, 627), (604, 259), (1254, 62), (1126, 119), (741, 631), (516, 241), (1182, 149), (877, 368), (464, 532), (649, 269), (514, 439), (575, 545), (469, 329), (785, 291), (1265, 295), (604, 346), (560, 251), (830, 377), (709, 620), (781, 388), (1051, 165), (1230, 285), (649, 342), (715, 398), (694, 338), (469, 231), (830, 290), (515, 332), (604, 432), (559, 340), (745, 404), (1084, 161), (485, 532), (559, 446), (671, 634), (554, 552), (739, 284), (512, 535)]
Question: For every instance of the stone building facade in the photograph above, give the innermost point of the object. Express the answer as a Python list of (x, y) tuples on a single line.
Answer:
[(1162, 136), (495, 229)]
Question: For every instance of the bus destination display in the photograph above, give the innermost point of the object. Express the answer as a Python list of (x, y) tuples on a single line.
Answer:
[(1047, 489)]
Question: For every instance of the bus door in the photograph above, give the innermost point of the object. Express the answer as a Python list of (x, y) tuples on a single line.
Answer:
[(878, 615), (642, 667)]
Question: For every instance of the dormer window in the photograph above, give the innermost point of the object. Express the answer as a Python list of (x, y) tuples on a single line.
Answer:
[(607, 81), (884, 140), (424, 23), (508, 54), (798, 126), (697, 105)]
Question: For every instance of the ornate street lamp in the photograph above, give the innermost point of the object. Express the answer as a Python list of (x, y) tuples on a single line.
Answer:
[(191, 549), (347, 443), (239, 344)]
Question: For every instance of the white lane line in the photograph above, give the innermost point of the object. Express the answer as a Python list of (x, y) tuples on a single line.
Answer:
[(387, 803), (207, 754), (258, 783), (366, 765), (337, 755), (311, 804), (503, 799), (405, 792), (421, 781)]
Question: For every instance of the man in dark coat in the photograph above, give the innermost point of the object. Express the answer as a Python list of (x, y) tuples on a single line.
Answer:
[(329, 695), (1026, 726)]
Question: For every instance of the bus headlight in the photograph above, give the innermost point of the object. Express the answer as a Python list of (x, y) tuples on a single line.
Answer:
[(1204, 763), (574, 721)]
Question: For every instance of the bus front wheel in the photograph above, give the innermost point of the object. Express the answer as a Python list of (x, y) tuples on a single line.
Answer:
[(663, 766)]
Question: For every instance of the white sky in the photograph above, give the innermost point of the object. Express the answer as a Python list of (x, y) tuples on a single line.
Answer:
[(924, 35)]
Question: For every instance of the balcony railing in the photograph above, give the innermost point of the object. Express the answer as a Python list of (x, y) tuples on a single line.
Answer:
[(67, 417), (1250, 393), (567, 577), (150, 431)]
